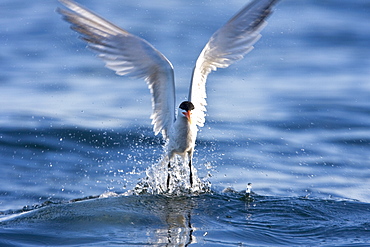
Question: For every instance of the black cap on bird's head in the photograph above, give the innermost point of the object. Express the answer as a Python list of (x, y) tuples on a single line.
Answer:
[(186, 108)]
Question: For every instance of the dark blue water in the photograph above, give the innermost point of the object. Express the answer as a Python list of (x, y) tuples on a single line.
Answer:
[(210, 220), (293, 120)]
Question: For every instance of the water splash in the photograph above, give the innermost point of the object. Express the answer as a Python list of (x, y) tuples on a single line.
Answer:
[(156, 179)]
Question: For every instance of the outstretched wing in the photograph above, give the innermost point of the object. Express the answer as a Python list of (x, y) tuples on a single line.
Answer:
[(227, 45), (130, 55)]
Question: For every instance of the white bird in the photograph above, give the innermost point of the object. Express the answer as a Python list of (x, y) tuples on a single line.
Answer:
[(130, 55)]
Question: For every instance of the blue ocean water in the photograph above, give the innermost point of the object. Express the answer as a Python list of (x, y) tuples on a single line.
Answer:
[(292, 118)]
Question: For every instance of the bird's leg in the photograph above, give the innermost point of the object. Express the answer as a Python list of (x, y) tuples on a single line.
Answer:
[(191, 175), (190, 157), (168, 174)]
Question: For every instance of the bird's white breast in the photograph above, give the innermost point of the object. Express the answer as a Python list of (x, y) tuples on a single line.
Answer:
[(183, 137)]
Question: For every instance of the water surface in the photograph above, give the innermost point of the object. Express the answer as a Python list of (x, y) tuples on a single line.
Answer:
[(293, 119)]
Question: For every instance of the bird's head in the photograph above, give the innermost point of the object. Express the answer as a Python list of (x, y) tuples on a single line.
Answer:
[(186, 107)]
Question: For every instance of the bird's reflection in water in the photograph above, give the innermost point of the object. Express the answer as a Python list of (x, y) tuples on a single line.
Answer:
[(176, 214)]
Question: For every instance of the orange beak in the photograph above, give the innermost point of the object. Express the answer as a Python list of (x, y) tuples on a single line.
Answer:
[(187, 114)]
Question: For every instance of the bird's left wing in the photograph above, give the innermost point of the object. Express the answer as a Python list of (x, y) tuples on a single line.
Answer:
[(227, 45), (130, 55)]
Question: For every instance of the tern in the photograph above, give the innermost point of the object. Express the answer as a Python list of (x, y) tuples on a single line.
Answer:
[(133, 56)]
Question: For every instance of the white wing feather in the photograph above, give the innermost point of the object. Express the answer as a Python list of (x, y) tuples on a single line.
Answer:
[(129, 55), (227, 45)]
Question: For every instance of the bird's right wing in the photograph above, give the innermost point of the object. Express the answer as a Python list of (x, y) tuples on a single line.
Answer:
[(227, 45), (129, 55)]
